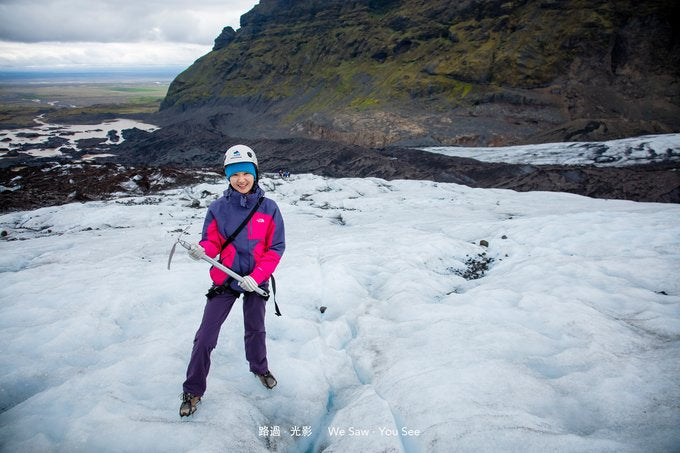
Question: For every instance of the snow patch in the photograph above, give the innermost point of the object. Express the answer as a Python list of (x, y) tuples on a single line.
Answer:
[(616, 153)]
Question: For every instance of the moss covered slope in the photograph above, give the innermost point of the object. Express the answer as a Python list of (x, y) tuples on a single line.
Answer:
[(377, 72)]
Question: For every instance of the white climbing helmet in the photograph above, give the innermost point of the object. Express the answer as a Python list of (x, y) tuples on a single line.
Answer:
[(240, 153)]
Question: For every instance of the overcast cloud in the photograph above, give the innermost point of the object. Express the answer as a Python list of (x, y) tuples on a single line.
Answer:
[(78, 33)]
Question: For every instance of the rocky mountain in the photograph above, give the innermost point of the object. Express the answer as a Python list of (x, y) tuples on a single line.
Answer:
[(426, 72)]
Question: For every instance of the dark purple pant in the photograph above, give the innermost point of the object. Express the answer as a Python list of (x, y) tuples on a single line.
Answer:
[(216, 311)]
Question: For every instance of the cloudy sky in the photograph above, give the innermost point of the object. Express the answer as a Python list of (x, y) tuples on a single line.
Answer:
[(91, 34)]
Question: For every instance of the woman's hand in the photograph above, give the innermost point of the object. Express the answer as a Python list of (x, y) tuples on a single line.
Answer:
[(196, 252), (248, 283)]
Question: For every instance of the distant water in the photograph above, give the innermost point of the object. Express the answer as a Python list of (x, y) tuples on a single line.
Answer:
[(164, 74)]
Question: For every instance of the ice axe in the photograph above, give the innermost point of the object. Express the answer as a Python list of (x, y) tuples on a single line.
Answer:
[(215, 263)]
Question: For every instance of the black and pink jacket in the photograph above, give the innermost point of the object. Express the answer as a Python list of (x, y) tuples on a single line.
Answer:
[(257, 249)]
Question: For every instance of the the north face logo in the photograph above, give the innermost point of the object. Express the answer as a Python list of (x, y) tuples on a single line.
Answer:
[(237, 154), (260, 220)]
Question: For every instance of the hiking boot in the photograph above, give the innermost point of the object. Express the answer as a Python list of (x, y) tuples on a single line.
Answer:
[(267, 379), (189, 403)]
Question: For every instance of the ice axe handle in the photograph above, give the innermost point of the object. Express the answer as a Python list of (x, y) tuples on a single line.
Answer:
[(223, 268)]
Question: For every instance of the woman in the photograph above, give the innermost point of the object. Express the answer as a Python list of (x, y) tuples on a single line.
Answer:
[(253, 252)]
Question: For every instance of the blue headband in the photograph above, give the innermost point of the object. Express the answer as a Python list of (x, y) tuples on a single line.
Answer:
[(246, 167)]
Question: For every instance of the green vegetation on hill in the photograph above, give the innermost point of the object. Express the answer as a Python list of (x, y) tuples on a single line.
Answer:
[(339, 57), (403, 52)]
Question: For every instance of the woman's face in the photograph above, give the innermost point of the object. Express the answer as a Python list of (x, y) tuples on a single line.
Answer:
[(242, 182)]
